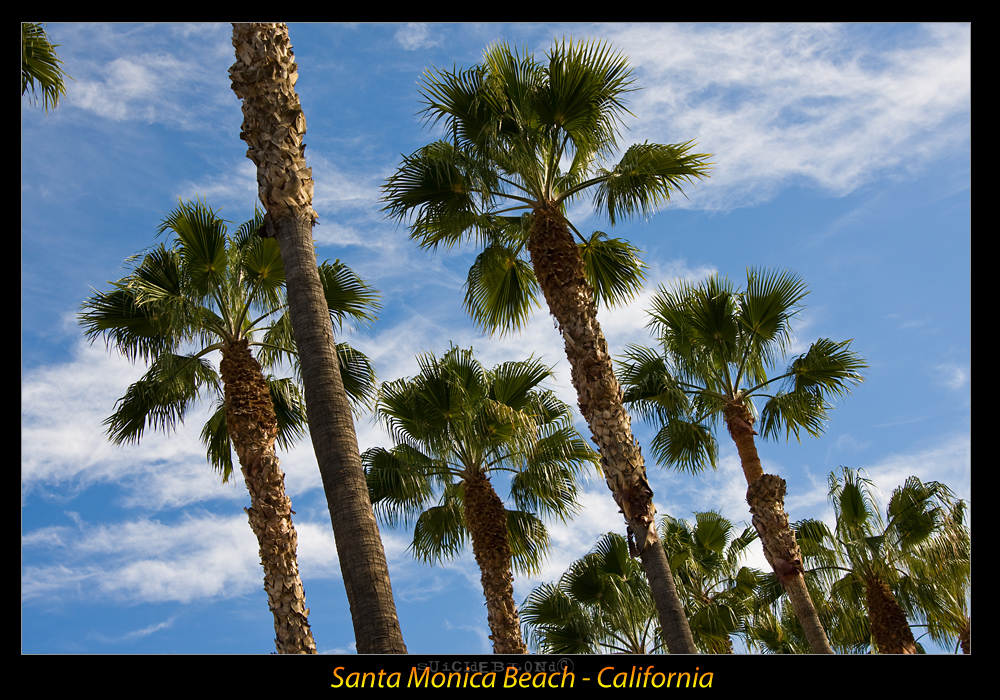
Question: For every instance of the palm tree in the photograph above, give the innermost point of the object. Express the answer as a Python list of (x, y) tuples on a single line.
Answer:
[(718, 347), (718, 594), (601, 605), (264, 77), (914, 565), (454, 426), (525, 139), (220, 293), (40, 66)]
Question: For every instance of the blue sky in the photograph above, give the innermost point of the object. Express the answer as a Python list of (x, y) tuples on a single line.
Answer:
[(842, 152)]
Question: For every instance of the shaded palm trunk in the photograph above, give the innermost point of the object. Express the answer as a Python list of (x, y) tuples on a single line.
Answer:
[(253, 428), (264, 77), (890, 629), (766, 498), (486, 519), (560, 271)]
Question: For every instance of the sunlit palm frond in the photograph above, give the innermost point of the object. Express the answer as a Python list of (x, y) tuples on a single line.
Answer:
[(771, 300), (829, 367), (41, 70), (203, 246), (646, 177), (686, 446), (614, 268)]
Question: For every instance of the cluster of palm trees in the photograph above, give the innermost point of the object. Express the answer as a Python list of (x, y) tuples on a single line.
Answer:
[(874, 581), (522, 139)]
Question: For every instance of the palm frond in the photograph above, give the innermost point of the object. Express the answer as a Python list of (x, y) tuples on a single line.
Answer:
[(41, 70), (203, 246), (646, 177), (347, 295), (161, 398), (501, 291), (614, 268)]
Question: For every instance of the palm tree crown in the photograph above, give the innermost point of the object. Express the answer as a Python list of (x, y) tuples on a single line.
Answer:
[(206, 292), (718, 593), (912, 565), (602, 604), (456, 424), (718, 350), (524, 138)]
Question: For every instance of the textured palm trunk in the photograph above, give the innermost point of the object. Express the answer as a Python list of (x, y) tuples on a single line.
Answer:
[(252, 430), (486, 519), (766, 498), (274, 125), (965, 637), (561, 275), (890, 629)]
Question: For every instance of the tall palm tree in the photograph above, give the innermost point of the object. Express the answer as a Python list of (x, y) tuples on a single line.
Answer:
[(264, 77), (525, 138), (718, 593), (208, 292), (456, 425), (719, 347), (911, 566), (41, 69)]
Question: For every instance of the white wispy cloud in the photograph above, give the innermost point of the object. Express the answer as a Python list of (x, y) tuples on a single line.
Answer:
[(797, 103)]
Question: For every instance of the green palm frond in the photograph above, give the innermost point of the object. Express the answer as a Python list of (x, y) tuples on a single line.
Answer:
[(289, 409), (358, 375), (399, 482), (646, 177), (203, 246), (348, 297), (686, 446), (529, 541), (215, 437), (440, 531), (263, 272), (614, 268), (501, 291), (161, 398), (41, 70), (794, 411), (829, 367)]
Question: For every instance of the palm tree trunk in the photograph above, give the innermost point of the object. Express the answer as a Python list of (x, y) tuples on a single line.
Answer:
[(559, 270), (965, 636), (252, 428), (264, 77), (486, 519), (890, 629), (766, 498)]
